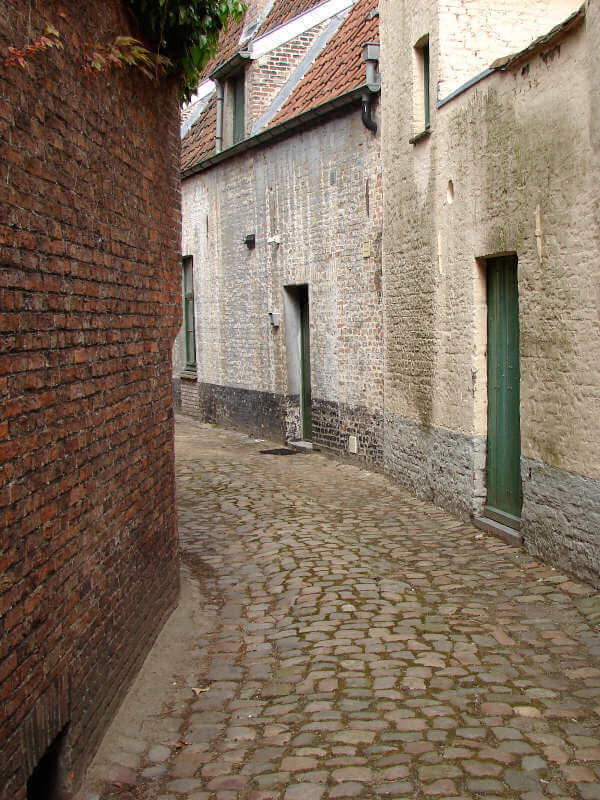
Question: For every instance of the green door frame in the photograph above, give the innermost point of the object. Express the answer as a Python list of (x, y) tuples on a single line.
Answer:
[(306, 395), (504, 492)]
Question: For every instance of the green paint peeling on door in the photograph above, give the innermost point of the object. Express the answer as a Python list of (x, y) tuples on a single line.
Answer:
[(504, 494)]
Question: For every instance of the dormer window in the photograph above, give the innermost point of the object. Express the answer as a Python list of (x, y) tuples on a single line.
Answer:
[(238, 108), (230, 80)]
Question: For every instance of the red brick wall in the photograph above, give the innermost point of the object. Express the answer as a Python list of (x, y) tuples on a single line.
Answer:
[(89, 307), (269, 74)]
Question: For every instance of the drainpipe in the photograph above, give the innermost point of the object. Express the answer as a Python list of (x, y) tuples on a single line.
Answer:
[(371, 58), (219, 131)]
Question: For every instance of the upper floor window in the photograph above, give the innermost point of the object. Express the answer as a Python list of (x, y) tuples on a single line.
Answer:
[(421, 83), (238, 108)]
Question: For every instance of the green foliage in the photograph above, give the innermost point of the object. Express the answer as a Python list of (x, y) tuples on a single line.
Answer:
[(186, 32), (125, 51), (19, 56)]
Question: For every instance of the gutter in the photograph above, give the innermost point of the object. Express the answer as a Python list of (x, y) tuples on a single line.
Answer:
[(235, 63), (303, 121)]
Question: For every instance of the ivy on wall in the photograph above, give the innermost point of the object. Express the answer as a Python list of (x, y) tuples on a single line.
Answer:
[(184, 32), (179, 37)]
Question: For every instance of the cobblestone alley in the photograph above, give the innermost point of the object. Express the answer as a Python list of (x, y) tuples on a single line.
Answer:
[(338, 638)]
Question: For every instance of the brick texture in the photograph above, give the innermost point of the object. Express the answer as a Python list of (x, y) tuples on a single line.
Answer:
[(89, 306), (268, 74), (320, 192)]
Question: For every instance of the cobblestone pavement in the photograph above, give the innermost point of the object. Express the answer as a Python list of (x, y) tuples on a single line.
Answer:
[(344, 639)]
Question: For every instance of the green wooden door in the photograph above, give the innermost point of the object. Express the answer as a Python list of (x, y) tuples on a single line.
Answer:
[(305, 366), (504, 496)]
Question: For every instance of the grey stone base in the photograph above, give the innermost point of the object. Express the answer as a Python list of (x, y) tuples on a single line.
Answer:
[(439, 465), (508, 535), (259, 413), (333, 423), (188, 396), (560, 521), (277, 417)]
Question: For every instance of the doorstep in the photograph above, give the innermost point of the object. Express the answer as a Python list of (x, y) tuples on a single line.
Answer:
[(508, 535), (301, 445)]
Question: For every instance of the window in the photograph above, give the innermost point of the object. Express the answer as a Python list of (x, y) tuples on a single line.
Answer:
[(422, 79), (425, 56), (188, 313), (238, 102)]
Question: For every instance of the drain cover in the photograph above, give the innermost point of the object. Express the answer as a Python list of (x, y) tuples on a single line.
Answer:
[(280, 451)]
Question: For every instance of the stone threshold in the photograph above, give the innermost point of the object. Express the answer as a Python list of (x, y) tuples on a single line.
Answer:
[(508, 535), (300, 444)]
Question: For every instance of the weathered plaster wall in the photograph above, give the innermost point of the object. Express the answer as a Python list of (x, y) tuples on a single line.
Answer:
[(473, 33), (178, 360), (320, 192), (518, 149)]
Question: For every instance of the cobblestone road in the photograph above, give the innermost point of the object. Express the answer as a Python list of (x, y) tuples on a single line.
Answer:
[(343, 639)]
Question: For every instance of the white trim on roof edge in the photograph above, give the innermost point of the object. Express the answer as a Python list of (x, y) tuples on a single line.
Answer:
[(202, 90), (296, 26), (196, 106)]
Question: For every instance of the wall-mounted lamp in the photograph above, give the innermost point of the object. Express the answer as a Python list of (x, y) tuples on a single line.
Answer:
[(276, 240), (250, 241), (274, 318)]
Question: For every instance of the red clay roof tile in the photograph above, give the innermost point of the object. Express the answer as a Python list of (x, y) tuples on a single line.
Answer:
[(284, 11), (339, 68), (199, 141), (228, 46)]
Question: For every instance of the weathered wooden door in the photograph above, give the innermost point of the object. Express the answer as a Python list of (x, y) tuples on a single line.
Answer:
[(305, 365), (504, 496)]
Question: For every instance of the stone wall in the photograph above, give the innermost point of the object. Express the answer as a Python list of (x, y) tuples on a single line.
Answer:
[(319, 192), (506, 169), (90, 304), (474, 33)]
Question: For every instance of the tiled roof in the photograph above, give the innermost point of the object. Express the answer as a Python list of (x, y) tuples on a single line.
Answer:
[(229, 40), (199, 142), (228, 46), (339, 68), (284, 11)]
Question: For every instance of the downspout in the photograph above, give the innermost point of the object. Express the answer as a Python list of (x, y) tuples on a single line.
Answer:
[(373, 82), (219, 128), (367, 110)]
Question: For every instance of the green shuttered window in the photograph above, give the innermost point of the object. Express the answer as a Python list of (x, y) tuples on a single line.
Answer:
[(426, 109), (239, 102), (188, 313)]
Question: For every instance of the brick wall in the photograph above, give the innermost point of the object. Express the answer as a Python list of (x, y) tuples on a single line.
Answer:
[(89, 306), (267, 75), (319, 191)]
